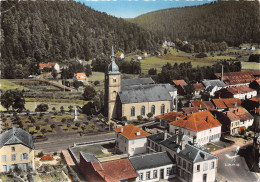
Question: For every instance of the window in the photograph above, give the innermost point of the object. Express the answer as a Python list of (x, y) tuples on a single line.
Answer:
[(148, 175), (5, 168), (13, 149), (133, 142), (179, 162), (153, 109), (204, 177), (143, 110), (141, 176), (114, 94), (184, 164), (4, 158), (205, 167), (168, 172), (212, 165), (189, 167), (24, 156), (114, 79), (13, 157), (162, 109), (198, 168), (133, 111), (154, 173)]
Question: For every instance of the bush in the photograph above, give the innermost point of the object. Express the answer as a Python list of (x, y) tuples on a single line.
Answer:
[(40, 154), (96, 83), (201, 55)]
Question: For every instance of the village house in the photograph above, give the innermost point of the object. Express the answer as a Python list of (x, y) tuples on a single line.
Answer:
[(166, 118), (211, 86), (115, 170), (202, 105), (137, 96), (154, 166), (251, 105), (201, 125), (131, 140), (169, 44), (16, 148), (240, 92), (49, 66), (198, 87), (144, 53), (189, 110), (246, 119), (180, 84), (137, 57), (255, 85), (120, 55), (226, 103), (193, 164), (80, 77)]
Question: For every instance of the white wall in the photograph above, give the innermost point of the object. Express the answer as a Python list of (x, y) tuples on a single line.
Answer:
[(247, 95), (211, 173), (246, 123)]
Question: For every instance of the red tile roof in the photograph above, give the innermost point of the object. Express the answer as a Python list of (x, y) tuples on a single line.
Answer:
[(130, 131), (189, 110), (119, 53), (198, 104), (81, 76), (170, 116), (179, 82), (197, 121), (46, 65), (209, 105), (198, 86), (255, 99), (239, 89), (231, 116), (226, 103), (242, 113), (232, 78)]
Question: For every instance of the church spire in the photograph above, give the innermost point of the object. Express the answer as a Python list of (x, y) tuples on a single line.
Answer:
[(113, 54)]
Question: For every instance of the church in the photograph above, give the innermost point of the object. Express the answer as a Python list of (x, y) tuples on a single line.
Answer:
[(136, 96)]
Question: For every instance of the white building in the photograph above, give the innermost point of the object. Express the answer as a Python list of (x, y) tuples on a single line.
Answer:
[(246, 119), (131, 140), (211, 86), (239, 92), (120, 55), (201, 125), (154, 166), (137, 57)]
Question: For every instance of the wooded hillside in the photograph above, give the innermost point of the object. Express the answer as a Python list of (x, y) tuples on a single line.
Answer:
[(33, 32), (233, 22)]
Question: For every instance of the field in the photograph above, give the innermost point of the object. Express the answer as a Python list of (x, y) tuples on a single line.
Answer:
[(7, 84)]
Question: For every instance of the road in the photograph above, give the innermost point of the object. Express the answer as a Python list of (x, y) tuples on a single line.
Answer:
[(233, 168), (56, 144)]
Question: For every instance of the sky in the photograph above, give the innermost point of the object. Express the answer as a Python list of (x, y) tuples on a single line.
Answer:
[(134, 8)]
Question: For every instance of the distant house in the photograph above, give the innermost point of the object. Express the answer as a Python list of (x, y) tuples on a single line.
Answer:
[(16, 148), (137, 57), (166, 118), (79, 61), (201, 125), (49, 66), (189, 110), (226, 103), (252, 48), (144, 53), (202, 105), (185, 42), (211, 86), (131, 140), (120, 55), (168, 43), (80, 77), (180, 84), (198, 87), (240, 92)]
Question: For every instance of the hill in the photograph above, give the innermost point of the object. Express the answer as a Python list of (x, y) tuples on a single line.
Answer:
[(233, 22), (56, 31)]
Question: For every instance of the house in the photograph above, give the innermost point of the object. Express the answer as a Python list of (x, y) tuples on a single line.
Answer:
[(255, 85), (107, 171), (80, 77), (226, 103), (120, 55), (201, 125), (185, 42), (49, 66), (169, 44), (131, 140), (240, 92), (16, 148), (238, 78), (252, 48), (256, 149), (246, 119), (211, 86), (137, 57), (180, 84), (189, 110), (154, 166), (137, 96), (144, 53), (251, 105), (199, 105), (198, 87), (193, 163), (166, 118)]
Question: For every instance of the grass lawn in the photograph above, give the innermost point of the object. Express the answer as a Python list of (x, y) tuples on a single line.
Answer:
[(99, 150), (59, 118), (250, 66), (210, 147), (73, 128), (7, 84)]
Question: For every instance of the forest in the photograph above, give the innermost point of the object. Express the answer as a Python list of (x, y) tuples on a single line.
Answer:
[(234, 22), (61, 31)]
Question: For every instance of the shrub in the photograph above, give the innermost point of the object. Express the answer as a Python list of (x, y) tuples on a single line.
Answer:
[(96, 82), (40, 154)]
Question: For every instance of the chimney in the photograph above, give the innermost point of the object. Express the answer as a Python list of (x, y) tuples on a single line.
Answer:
[(138, 133), (177, 138), (207, 118), (235, 104), (183, 143), (200, 105), (189, 104), (222, 73), (165, 135), (122, 129)]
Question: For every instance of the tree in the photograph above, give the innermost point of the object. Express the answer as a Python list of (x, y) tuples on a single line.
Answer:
[(89, 92), (88, 70), (46, 120), (68, 125), (152, 71), (42, 108), (14, 99), (63, 120), (83, 127), (54, 109), (189, 90), (43, 131), (77, 124), (70, 108), (53, 126), (37, 128), (89, 108), (165, 51), (96, 82), (124, 118), (139, 118), (149, 115), (54, 73), (32, 120), (76, 84), (62, 110)]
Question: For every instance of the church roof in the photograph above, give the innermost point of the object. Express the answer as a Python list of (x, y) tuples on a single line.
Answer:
[(113, 68), (127, 83), (147, 93)]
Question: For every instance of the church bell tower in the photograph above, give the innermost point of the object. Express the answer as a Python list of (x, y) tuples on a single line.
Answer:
[(112, 87)]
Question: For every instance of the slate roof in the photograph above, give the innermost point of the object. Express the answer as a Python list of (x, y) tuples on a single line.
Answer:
[(194, 154), (126, 83), (170, 116), (197, 121), (147, 93), (158, 137), (130, 131), (88, 157), (189, 110), (16, 136), (213, 83), (151, 160)]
